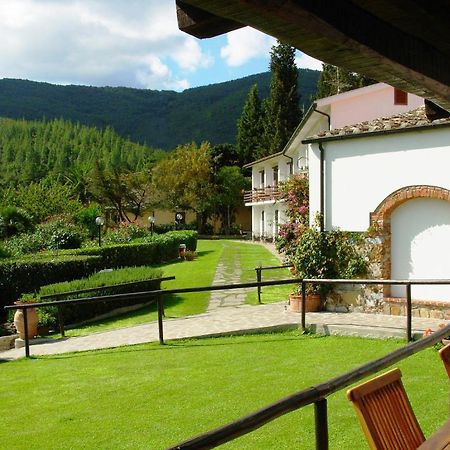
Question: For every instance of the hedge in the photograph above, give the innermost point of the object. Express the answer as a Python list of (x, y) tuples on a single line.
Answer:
[(145, 279), (28, 274)]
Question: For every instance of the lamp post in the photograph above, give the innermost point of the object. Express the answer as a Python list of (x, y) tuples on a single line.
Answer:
[(99, 221), (151, 224)]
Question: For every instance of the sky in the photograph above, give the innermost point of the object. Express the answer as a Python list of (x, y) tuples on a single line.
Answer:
[(131, 43)]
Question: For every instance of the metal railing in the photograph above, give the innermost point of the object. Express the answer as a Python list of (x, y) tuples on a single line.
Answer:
[(259, 270)]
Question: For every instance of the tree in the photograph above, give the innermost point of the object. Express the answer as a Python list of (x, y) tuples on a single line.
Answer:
[(250, 128), (282, 111), (334, 80), (184, 180), (224, 155), (230, 182)]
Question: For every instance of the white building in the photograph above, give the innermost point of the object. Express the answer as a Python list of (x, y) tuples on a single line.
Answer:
[(268, 210), (392, 173)]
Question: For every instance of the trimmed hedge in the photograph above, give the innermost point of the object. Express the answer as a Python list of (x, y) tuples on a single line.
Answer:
[(28, 274), (145, 279)]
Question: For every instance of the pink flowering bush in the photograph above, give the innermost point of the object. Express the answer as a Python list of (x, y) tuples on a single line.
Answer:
[(295, 193)]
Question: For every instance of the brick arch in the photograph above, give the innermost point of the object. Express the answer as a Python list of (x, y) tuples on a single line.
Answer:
[(383, 212), (380, 219)]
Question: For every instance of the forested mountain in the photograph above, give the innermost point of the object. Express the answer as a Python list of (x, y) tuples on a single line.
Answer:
[(160, 119), (59, 149)]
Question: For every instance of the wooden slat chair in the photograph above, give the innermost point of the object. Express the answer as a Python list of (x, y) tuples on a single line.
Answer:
[(444, 353), (385, 413)]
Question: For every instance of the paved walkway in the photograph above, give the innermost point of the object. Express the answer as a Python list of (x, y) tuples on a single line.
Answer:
[(234, 320), (228, 315)]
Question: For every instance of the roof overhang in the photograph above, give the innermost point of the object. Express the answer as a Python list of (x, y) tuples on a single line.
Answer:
[(405, 44)]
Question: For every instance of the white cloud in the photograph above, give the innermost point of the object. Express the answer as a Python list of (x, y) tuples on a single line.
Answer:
[(245, 44), (304, 61), (98, 42)]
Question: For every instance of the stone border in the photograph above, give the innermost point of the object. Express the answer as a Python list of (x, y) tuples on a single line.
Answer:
[(430, 309), (7, 342)]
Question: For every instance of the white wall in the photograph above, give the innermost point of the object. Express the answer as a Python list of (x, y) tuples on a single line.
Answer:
[(269, 216), (420, 247), (362, 172)]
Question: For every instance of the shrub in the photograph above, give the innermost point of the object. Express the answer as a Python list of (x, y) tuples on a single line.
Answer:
[(328, 255), (86, 217), (14, 221), (125, 233), (28, 274), (53, 235), (119, 282)]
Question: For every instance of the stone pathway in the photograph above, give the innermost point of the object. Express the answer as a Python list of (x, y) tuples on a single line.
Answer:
[(227, 274)]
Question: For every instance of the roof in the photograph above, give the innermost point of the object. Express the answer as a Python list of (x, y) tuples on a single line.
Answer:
[(266, 158), (405, 44), (411, 120)]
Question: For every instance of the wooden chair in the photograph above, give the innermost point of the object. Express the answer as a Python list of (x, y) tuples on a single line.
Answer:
[(385, 413), (444, 353)]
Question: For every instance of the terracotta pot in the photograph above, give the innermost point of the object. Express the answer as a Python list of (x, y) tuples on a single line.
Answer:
[(313, 302), (32, 320)]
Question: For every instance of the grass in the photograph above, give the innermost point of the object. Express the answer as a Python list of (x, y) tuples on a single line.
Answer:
[(150, 396), (200, 272)]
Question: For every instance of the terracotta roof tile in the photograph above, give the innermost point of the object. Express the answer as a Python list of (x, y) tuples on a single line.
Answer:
[(411, 119)]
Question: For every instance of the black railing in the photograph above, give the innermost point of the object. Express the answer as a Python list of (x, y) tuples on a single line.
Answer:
[(161, 292), (67, 294), (146, 295), (259, 270)]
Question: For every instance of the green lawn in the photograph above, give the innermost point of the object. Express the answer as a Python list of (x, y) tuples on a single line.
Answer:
[(151, 396), (200, 272)]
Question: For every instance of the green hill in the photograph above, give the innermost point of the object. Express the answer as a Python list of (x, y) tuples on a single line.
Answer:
[(160, 119)]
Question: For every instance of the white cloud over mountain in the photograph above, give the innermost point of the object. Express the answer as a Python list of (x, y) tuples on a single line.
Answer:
[(134, 43)]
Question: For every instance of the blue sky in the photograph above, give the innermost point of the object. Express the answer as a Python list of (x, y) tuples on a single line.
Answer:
[(133, 43)]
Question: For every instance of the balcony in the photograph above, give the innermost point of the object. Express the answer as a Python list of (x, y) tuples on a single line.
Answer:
[(269, 193)]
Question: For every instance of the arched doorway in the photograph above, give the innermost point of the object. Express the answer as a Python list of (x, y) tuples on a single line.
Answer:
[(420, 246), (414, 224)]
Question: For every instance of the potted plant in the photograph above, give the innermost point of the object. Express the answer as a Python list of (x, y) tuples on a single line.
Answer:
[(325, 255)]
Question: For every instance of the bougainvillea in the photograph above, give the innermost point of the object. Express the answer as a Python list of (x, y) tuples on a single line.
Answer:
[(295, 193)]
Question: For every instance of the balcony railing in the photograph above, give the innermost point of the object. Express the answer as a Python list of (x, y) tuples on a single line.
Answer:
[(262, 194)]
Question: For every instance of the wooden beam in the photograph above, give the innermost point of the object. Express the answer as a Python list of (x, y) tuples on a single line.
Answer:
[(202, 24), (369, 37)]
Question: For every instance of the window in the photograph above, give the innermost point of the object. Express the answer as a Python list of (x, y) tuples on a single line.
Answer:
[(263, 225), (400, 97), (290, 168), (275, 175), (262, 178), (276, 223)]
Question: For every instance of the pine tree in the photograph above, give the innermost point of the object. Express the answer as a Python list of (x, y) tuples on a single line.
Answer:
[(282, 111), (250, 128), (335, 80)]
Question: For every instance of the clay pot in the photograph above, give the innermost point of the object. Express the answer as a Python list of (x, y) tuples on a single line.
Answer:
[(32, 321), (313, 302)]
